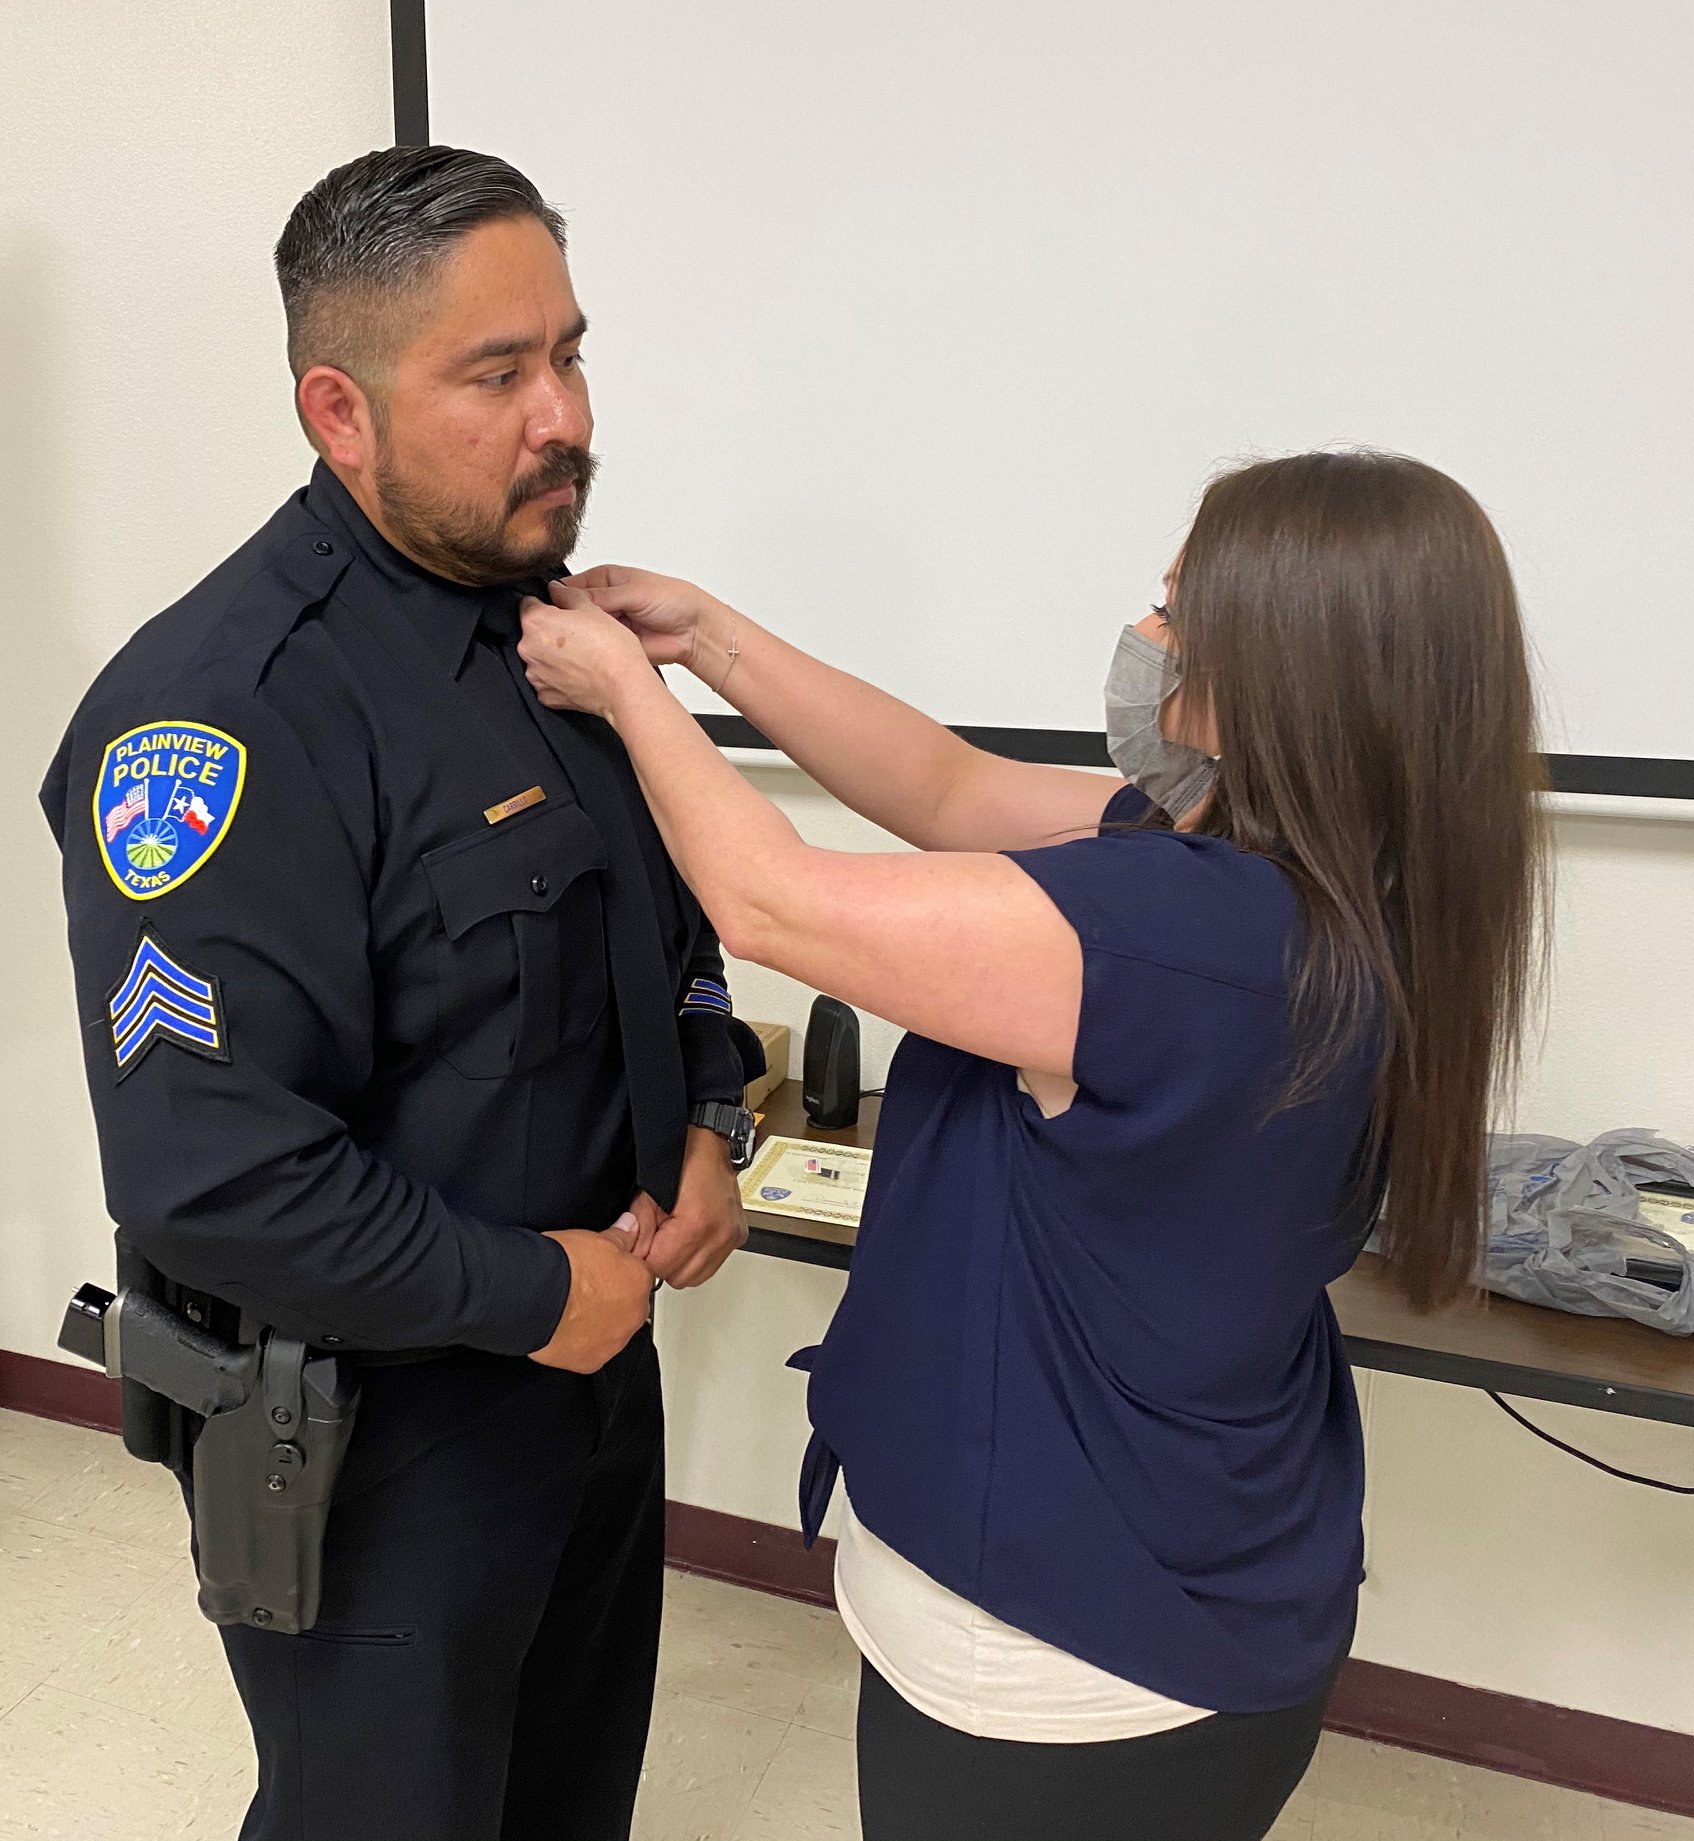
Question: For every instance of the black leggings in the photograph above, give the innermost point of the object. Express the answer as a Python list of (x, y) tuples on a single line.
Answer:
[(1222, 1778)]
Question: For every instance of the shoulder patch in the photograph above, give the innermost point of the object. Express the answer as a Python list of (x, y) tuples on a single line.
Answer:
[(160, 999), (164, 801)]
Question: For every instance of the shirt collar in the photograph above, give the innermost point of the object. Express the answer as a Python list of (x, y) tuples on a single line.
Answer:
[(444, 614)]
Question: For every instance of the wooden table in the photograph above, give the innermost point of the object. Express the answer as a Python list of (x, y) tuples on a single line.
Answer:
[(1496, 1343)]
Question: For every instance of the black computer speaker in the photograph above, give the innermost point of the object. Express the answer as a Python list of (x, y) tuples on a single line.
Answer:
[(830, 1082)]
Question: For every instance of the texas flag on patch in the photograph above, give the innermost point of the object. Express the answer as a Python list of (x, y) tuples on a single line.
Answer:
[(131, 806), (199, 815)]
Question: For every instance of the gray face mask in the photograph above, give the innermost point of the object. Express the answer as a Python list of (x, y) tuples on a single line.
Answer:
[(1142, 676)]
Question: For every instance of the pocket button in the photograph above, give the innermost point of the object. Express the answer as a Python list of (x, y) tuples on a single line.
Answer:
[(538, 885)]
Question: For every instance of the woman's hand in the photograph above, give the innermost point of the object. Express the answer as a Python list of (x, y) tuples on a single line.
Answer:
[(577, 657), (668, 616)]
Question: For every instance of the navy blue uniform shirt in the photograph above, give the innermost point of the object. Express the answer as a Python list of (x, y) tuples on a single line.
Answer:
[(1085, 1373), (380, 966)]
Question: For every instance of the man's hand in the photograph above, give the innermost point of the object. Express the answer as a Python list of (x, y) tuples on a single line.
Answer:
[(611, 1296), (707, 1225)]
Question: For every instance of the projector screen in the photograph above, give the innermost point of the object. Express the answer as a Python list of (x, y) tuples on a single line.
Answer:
[(917, 330)]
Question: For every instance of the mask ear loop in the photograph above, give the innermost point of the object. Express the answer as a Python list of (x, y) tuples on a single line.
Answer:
[(1173, 666), (1173, 682)]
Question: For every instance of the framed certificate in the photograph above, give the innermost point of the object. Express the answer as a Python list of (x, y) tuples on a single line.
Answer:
[(812, 1182)]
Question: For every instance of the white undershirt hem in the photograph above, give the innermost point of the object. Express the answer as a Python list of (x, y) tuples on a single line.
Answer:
[(954, 1662)]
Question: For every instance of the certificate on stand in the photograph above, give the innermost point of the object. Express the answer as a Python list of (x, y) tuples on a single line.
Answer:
[(812, 1182)]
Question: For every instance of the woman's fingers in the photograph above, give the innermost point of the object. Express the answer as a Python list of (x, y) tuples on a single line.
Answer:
[(573, 597), (539, 622), (613, 590), (606, 576), (648, 603)]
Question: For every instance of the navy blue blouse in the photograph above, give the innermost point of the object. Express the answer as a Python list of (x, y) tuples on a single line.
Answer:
[(1085, 1374)]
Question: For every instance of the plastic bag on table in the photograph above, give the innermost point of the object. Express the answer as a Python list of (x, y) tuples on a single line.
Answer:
[(1565, 1221)]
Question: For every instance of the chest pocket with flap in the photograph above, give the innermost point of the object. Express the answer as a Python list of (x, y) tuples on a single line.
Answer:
[(520, 958)]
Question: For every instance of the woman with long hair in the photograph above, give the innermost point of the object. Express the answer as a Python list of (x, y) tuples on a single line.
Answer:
[(1102, 1548)]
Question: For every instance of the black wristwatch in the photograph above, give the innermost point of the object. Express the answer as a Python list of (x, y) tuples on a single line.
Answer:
[(732, 1123)]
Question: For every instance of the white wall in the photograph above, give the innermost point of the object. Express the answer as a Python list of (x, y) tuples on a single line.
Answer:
[(149, 155), (145, 428)]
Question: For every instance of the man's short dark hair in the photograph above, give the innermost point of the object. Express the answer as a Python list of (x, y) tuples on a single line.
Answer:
[(367, 236)]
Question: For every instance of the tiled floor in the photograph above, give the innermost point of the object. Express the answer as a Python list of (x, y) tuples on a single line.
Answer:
[(117, 1722)]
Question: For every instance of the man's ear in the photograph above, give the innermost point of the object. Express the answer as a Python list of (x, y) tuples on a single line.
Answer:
[(337, 414)]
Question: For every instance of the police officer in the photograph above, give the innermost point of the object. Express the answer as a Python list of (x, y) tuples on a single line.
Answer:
[(405, 1038)]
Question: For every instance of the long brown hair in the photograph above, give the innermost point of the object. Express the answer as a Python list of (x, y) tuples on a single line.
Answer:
[(1352, 621)]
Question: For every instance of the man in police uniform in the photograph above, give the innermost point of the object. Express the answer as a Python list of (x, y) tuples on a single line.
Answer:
[(396, 1018)]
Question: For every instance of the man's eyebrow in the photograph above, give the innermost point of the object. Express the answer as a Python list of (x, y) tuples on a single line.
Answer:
[(515, 345)]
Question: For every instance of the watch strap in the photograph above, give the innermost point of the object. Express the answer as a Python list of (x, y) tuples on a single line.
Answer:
[(732, 1123)]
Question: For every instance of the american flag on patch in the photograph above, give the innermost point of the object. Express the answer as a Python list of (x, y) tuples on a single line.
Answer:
[(131, 806)]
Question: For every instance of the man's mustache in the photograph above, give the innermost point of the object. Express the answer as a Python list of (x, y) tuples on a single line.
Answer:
[(559, 466)]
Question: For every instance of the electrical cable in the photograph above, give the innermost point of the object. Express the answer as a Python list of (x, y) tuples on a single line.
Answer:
[(1611, 1470)]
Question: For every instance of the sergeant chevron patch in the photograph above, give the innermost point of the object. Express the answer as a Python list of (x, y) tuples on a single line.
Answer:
[(161, 1000), (706, 997)]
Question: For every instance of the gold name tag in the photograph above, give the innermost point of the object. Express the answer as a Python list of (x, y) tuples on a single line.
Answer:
[(519, 802)]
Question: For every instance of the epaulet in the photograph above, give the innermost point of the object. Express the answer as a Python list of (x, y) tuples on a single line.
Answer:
[(173, 716), (300, 569), (230, 625)]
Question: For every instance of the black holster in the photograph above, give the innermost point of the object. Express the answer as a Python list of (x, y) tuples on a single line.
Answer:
[(260, 1420), (264, 1478)]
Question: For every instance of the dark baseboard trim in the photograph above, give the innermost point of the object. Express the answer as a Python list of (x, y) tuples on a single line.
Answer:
[(1499, 1732), (750, 1553), (57, 1390), (1618, 1759)]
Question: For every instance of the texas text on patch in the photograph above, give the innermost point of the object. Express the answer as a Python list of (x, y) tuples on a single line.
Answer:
[(161, 1000), (164, 801), (707, 997)]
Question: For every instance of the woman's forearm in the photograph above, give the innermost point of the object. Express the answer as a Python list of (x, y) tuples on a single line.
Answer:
[(884, 759), (960, 946)]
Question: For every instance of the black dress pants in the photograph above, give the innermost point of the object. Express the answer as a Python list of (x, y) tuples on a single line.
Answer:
[(1222, 1778), (482, 1669)]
